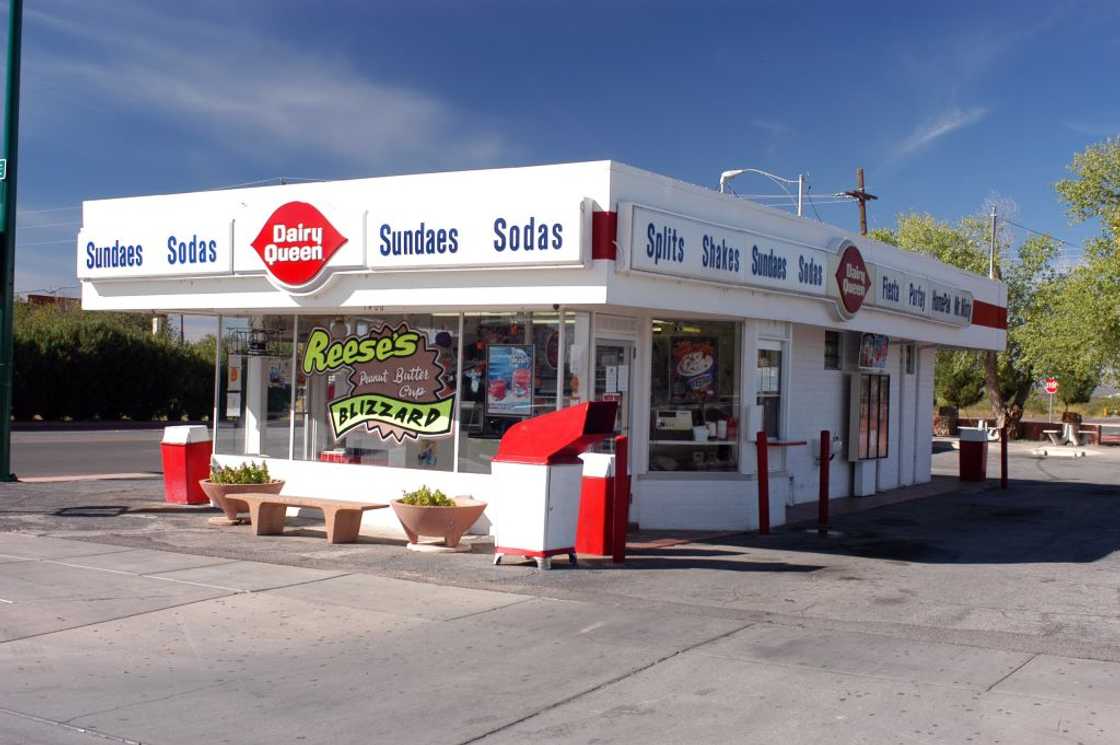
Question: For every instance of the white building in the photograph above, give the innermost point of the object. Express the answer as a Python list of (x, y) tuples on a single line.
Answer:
[(516, 291)]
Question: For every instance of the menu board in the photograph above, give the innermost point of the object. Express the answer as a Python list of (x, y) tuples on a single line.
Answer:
[(869, 418), (509, 379)]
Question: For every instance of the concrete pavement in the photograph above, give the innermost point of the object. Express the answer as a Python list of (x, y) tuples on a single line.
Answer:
[(979, 617)]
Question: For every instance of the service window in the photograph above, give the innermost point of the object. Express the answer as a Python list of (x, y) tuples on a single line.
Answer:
[(694, 396)]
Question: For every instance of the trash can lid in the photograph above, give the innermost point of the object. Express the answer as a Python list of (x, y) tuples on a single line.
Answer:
[(973, 434), (186, 434)]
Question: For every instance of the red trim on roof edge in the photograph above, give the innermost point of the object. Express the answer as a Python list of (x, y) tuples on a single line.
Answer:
[(986, 314), (604, 229)]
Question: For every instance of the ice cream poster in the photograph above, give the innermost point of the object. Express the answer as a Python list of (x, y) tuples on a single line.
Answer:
[(509, 379), (693, 368)]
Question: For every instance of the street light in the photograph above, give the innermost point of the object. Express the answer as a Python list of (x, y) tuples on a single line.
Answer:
[(726, 176)]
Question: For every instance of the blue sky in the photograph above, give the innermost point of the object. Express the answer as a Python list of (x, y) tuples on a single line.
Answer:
[(947, 105)]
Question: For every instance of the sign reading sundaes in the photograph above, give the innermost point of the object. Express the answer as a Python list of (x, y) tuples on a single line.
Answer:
[(662, 242), (665, 243), (181, 247)]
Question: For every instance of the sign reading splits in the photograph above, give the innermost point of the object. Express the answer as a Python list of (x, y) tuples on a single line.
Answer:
[(397, 388), (296, 243)]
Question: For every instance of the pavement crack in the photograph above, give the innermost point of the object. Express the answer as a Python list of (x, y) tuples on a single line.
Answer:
[(472, 614), (605, 684), (70, 727), (142, 702), (1017, 669)]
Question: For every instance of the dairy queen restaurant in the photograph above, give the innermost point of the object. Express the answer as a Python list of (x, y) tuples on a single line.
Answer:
[(384, 333)]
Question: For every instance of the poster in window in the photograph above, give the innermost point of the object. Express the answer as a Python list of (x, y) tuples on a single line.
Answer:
[(509, 379), (884, 414), (386, 381), (694, 362), (873, 351), (873, 417)]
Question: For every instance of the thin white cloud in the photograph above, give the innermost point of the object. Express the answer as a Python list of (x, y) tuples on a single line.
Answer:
[(771, 126), (1094, 129), (252, 94), (945, 124)]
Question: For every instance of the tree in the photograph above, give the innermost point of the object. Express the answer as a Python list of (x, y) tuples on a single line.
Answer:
[(957, 378), (1094, 193), (1007, 376)]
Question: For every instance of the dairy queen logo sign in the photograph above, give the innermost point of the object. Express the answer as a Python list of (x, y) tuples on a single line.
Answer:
[(853, 280), (295, 244)]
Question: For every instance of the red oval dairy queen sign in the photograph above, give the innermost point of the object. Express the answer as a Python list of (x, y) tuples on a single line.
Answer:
[(853, 280), (296, 243)]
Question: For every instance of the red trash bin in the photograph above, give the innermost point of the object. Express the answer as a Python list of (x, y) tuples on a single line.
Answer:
[(596, 500), (974, 454), (186, 452)]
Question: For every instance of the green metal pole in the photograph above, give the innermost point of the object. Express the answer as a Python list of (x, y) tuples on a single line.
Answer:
[(8, 234)]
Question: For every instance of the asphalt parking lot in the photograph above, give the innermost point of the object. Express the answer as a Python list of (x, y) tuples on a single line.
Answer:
[(977, 616)]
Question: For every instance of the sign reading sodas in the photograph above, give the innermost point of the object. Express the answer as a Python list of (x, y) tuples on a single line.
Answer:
[(296, 243)]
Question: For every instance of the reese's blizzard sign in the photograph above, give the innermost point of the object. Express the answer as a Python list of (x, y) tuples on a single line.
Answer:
[(397, 388), (295, 245)]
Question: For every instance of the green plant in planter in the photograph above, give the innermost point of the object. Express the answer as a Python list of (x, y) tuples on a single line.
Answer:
[(246, 473), (425, 497)]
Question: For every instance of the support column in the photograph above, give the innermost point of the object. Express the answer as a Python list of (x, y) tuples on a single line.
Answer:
[(255, 387)]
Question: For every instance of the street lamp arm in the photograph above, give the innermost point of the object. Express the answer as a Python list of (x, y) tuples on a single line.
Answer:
[(726, 176)]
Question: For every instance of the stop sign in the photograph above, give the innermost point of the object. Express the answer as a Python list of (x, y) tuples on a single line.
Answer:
[(1051, 386)]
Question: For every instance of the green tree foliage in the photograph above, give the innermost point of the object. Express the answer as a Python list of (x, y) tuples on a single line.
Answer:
[(73, 363), (1093, 193), (958, 379)]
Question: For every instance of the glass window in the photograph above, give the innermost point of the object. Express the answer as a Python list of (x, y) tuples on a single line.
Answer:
[(832, 351), (377, 389), (695, 396), (257, 387), (510, 372), (768, 388)]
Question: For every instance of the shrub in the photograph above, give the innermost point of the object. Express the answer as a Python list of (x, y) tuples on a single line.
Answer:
[(246, 473), (86, 365), (425, 497)]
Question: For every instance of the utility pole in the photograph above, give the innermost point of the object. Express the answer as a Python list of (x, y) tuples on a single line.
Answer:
[(8, 234), (992, 250), (863, 197)]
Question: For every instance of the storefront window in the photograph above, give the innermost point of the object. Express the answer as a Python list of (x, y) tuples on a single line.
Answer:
[(377, 390), (768, 388), (695, 396), (257, 389)]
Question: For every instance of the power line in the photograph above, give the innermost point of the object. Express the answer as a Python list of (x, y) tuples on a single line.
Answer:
[(1044, 235)]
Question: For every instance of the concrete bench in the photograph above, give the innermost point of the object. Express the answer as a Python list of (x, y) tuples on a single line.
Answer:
[(266, 512)]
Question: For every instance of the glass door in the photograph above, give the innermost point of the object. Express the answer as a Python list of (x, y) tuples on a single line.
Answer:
[(613, 373)]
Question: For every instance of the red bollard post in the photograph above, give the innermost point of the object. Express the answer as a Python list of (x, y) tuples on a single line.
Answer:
[(822, 504), (620, 508), (763, 485), (1003, 457)]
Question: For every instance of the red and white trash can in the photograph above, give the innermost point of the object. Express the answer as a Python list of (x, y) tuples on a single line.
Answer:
[(186, 452), (537, 476), (973, 454)]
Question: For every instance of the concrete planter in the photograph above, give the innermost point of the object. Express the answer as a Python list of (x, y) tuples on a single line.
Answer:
[(224, 495), (448, 523)]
